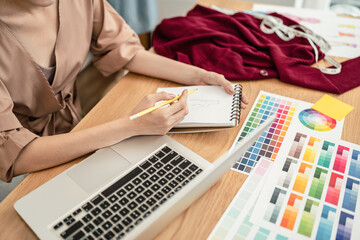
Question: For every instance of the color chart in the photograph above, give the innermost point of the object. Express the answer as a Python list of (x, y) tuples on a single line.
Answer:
[(290, 118), (315, 120), (315, 190), (234, 222)]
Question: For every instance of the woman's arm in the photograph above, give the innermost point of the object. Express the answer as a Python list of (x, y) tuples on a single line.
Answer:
[(165, 68), (49, 151)]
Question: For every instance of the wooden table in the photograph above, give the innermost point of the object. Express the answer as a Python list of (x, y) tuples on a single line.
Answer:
[(201, 217)]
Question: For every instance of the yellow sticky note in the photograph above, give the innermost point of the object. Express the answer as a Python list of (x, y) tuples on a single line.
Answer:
[(332, 107)]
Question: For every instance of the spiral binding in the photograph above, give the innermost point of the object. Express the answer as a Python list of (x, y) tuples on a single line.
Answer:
[(236, 104)]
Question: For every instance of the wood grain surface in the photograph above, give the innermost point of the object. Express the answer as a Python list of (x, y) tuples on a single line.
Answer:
[(200, 218)]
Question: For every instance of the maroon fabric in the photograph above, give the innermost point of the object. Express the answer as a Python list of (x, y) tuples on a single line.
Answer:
[(236, 47)]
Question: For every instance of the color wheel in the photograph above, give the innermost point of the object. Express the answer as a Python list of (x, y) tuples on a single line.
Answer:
[(316, 121)]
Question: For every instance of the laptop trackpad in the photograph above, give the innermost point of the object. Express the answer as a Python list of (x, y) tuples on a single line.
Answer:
[(98, 169)]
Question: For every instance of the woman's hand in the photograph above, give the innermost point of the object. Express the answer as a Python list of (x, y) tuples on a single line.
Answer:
[(160, 121), (166, 68), (213, 78), (35, 156)]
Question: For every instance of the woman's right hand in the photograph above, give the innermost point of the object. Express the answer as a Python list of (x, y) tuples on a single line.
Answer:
[(160, 121)]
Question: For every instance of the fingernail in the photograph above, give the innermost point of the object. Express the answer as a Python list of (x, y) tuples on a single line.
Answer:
[(172, 95)]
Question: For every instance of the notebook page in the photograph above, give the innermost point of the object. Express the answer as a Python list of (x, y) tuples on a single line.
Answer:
[(208, 106)]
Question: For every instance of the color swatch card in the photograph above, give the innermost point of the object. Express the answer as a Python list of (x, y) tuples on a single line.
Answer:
[(342, 33), (322, 22), (346, 43), (236, 214), (292, 116), (314, 190)]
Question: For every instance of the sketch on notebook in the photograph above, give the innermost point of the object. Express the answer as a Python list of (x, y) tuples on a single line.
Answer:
[(202, 103)]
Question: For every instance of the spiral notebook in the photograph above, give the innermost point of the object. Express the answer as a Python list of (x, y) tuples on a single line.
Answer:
[(210, 108)]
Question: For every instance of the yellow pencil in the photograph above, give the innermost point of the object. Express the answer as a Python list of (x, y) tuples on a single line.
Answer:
[(146, 111)]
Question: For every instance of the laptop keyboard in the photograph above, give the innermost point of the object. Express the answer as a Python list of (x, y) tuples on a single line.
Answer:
[(115, 211)]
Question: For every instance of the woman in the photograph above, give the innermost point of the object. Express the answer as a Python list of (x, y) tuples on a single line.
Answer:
[(43, 45)]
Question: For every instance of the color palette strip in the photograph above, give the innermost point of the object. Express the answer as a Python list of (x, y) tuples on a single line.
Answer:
[(341, 158), (245, 197), (326, 223), (311, 150), (351, 193), (269, 143), (274, 205), (318, 183), (345, 226), (333, 192), (245, 227), (262, 234), (354, 170), (291, 211), (287, 172), (302, 178), (297, 145), (308, 218), (326, 154)]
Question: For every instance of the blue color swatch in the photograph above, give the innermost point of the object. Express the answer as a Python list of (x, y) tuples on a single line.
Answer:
[(351, 193), (326, 223), (345, 226), (354, 170)]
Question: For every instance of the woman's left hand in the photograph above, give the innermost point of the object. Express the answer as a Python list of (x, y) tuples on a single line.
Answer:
[(213, 78)]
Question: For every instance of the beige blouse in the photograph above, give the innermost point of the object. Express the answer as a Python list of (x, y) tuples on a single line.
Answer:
[(29, 105)]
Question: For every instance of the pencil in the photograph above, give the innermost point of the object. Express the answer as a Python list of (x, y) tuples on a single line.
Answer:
[(146, 111)]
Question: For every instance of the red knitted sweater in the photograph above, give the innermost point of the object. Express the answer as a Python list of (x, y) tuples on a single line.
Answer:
[(235, 46)]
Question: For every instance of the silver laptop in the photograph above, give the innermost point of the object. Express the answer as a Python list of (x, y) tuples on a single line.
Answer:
[(130, 190)]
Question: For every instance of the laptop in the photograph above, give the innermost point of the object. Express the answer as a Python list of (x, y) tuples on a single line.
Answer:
[(130, 190)]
